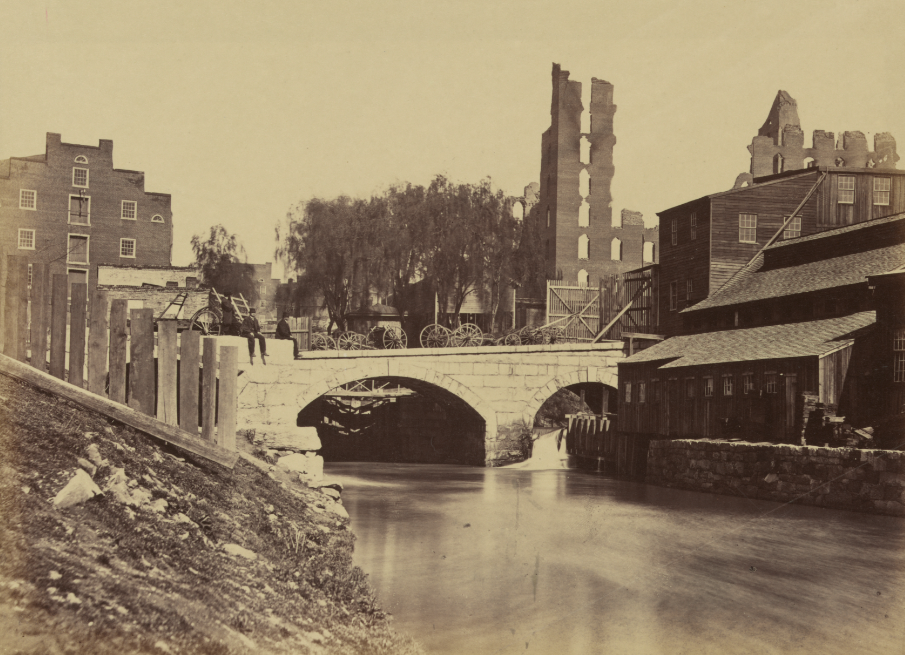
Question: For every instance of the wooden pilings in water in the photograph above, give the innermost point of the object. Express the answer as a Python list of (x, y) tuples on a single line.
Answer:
[(595, 440)]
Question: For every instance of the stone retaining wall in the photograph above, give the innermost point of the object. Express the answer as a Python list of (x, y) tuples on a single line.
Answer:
[(841, 478)]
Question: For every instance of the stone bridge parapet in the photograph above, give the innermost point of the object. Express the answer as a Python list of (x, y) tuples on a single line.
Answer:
[(505, 385)]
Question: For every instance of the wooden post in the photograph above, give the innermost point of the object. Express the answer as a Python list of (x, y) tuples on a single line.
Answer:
[(97, 342), (188, 381), (141, 371), (77, 318), (38, 316), (166, 372), (229, 374), (58, 310), (118, 343), (209, 389), (22, 301), (11, 307)]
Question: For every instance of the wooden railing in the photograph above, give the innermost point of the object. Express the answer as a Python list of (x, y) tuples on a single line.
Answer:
[(78, 338)]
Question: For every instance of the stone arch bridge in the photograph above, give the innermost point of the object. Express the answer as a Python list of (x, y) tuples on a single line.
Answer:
[(504, 385)]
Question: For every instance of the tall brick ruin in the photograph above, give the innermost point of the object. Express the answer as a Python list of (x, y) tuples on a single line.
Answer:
[(574, 203), (779, 145)]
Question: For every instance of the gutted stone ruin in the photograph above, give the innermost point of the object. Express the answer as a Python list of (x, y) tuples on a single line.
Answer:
[(574, 204), (779, 145)]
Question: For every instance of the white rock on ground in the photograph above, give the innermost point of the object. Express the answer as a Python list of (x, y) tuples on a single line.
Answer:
[(295, 462), (79, 489), (87, 466), (236, 549), (95, 456), (287, 438), (338, 509)]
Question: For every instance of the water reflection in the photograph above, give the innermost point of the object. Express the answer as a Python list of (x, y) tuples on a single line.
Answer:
[(474, 560)]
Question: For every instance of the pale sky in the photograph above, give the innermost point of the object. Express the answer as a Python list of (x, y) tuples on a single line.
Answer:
[(241, 110)]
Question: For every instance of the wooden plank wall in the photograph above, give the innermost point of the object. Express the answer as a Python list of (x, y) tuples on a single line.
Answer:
[(832, 370), (156, 386), (596, 442), (772, 204), (668, 410), (863, 208)]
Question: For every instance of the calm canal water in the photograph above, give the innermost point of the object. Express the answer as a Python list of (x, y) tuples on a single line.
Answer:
[(473, 560)]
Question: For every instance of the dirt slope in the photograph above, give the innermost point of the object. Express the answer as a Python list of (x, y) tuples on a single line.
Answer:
[(175, 556)]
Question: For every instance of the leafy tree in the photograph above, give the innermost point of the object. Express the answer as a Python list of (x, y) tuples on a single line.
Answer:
[(220, 263), (328, 244)]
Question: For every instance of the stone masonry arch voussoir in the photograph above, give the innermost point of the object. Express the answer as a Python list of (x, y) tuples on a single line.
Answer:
[(373, 369), (603, 375)]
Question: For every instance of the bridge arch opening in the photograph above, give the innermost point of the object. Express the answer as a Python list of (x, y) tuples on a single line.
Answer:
[(396, 419), (578, 398)]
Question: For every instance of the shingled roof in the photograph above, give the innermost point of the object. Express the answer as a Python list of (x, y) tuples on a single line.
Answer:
[(809, 338), (813, 276)]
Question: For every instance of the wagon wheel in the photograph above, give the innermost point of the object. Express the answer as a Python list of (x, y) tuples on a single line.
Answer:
[(348, 341), (468, 334), (557, 334), (546, 335), (322, 341), (512, 339), (363, 342), (434, 336), (394, 338), (206, 321)]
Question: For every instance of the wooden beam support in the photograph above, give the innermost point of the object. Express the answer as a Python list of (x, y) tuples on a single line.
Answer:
[(168, 433), (58, 315), (118, 344), (39, 315), (97, 342), (188, 380), (78, 309)]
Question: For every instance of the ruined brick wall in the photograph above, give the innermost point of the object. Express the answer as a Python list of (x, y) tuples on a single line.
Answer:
[(157, 299), (50, 176), (870, 481), (135, 276), (575, 201), (779, 145)]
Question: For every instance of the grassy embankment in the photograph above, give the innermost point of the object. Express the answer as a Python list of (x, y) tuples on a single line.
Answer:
[(107, 577)]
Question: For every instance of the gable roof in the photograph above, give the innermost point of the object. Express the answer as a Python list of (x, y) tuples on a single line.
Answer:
[(812, 276), (809, 338)]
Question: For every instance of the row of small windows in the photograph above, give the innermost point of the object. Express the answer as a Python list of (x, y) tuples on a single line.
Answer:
[(674, 293), (638, 391), (77, 250), (846, 190), (80, 207), (674, 232)]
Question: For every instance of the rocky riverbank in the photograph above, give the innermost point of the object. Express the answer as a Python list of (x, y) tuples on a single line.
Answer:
[(115, 543)]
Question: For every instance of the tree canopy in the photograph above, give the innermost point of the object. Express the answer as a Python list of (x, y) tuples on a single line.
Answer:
[(459, 238), (220, 263)]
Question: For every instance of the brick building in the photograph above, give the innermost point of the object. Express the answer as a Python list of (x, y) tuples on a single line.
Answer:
[(574, 203), (71, 209)]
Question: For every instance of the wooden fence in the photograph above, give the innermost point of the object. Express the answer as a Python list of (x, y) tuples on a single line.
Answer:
[(595, 440), (112, 354), (621, 303)]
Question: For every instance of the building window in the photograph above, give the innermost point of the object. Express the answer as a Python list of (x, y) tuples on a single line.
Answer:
[(793, 229), (26, 239), (770, 382), (747, 228), (648, 251), (846, 190), (129, 210), (584, 247), (689, 387), (675, 232), (127, 248), (582, 278), (80, 210), (689, 288), (655, 391), (642, 392), (628, 392), (31, 275), (548, 217), (898, 347), (708, 387), (748, 382), (77, 253), (728, 385), (81, 159), (28, 199), (673, 296), (694, 226), (157, 218), (881, 190), (80, 177), (616, 250)]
